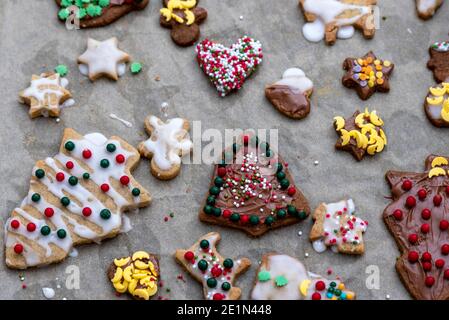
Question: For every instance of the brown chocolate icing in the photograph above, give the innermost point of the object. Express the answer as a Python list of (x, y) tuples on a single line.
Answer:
[(365, 92), (110, 13), (413, 274), (271, 201), (292, 104), (439, 64)]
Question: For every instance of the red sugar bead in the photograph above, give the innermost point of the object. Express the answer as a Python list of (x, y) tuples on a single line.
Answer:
[(427, 266), (320, 285), (244, 218), (413, 256), (60, 176), (446, 274), (49, 212), (437, 199), (87, 211), (430, 281), (69, 165), (104, 187), (189, 255), (218, 296), (411, 201), (120, 158), (31, 227), (216, 271), (425, 228), (15, 224), (246, 139), (407, 185), (124, 180), (87, 154), (413, 238), (18, 248), (422, 194), (445, 249), (397, 214), (291, 191), (426, 256), (316, 296), (439, 263), (227, 213), (444, 225), (221, 171), (425, 214)]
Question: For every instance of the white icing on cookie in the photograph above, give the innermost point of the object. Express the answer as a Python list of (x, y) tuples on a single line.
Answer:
[(296, 80), (425, 5), (327, 11), (333, 235), (167, 142), (103, 58), (68, 218)]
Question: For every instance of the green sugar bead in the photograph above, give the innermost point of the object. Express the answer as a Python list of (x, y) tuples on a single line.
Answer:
[(62, 70), (61, 233), (36, 197), (210, 200), (226, 286), (216, 212), (281, 213), (45, 230), (204, 244), (86, 175), (135, 67), (269, 153), (214, 191), (302, 215), (105, 214), (291, 210), (279, 167), (135, 192), (218, 182), (212, 282), (104, 163), (202, 265), (254, 220), (228, 263), (69, 146), (63, 14), (208, 209), (111, 147), (73, 181), (281, 175), (269, 220), (284, 184), (65, 201), (66, 3), (39, 173), (235, 217), (103, 3)]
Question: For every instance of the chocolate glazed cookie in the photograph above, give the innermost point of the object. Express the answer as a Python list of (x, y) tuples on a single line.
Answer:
[(291, 94), (104, 15), (417, 218), (183, 18), (439, 61)]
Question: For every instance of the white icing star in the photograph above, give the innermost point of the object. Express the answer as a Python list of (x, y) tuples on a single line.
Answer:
[(103, 58)]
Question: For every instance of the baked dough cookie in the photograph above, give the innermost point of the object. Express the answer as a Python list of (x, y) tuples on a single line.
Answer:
[(436, 105), (427, 8)]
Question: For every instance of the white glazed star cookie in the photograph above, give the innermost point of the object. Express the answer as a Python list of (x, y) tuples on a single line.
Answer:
[(103, 58)]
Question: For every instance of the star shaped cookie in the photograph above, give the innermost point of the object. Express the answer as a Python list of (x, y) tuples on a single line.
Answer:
[(45, 95), (103, 58), (367, 75)]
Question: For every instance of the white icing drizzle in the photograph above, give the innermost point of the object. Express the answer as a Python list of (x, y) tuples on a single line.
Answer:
[(327, 12), (296, 80), (115, 117), (80, 197), (332, 224), (167, 141)]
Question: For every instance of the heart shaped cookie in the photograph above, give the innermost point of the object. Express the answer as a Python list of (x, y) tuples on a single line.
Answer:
[(228, 68)]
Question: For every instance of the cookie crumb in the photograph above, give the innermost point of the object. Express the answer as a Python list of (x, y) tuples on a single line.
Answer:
[(306, 255), (241, 17), (157, 78), (58, 120), (316, 162), (299, 233), (388, 297)]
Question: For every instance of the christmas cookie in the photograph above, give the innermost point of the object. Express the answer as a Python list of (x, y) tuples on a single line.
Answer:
[(332, 19), (76, 197), (103, 58), (291, 94), (367, 75), (436, 105), (439, 61), (417, 217), (360, 134), (137, 275), (216, 274), (46, 95), (183, 17), (96, 13), (427, 8), (281, 277), (169, 141), (336, 226), (253, 190), (228, 68)]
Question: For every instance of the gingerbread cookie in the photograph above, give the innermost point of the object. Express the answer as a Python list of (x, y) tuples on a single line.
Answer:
[(216, 274), (281, 277), (439, 61), (332, 19), (103, 58), (417, 218), (183, 17), (76, 197), (169, 141), (291, 94), (436, 105), (427, 8), (361, 134), (96, 13), (137, 275), (367, 75), (253, 190), (336, 226), (228, 68), (46, 95)]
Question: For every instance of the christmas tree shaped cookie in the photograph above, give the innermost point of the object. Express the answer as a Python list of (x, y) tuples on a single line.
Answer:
[(418, 218), (252, 190), (76, 197), (216, 274)]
